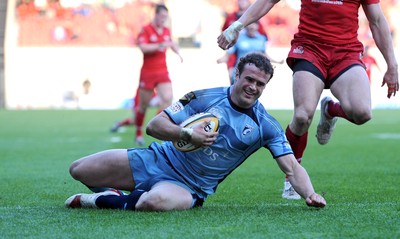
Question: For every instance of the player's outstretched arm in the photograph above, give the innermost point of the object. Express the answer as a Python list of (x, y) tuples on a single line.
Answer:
[(300, 180), (257, 10)]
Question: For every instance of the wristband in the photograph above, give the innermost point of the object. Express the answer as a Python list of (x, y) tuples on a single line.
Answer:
[(186, 134), (229, 32), (237, 26)]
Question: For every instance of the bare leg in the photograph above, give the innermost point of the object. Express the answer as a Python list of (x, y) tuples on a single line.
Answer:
[(165, 196), (164, 91), (352, 89), (108, 168)]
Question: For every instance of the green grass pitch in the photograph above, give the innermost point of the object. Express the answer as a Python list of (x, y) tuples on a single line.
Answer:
[(359, 172)]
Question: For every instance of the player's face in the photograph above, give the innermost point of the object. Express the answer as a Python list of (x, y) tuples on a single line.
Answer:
[(161, 18), (249, 86), (252, 29)]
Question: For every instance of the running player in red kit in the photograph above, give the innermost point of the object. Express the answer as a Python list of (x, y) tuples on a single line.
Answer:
[(326, 54), (154, 40)]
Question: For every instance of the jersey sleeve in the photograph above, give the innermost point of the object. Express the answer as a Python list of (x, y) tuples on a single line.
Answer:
[(143, 36), (274, 138)]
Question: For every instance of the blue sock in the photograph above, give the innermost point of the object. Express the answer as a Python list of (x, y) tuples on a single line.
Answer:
[(125, 202)]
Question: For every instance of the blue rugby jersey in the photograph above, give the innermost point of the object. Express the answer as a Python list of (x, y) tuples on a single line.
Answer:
[(241, 133)]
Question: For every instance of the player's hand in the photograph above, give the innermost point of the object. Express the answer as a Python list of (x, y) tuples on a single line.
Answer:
[(229, 37), (201, 137), (180, 58), (391, 78), (315, 200)]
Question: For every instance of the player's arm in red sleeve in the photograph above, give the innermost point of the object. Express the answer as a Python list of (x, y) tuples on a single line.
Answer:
[(144, 44)]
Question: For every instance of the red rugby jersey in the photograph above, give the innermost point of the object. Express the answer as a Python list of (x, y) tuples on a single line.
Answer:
[(156, 61), (331, 21)]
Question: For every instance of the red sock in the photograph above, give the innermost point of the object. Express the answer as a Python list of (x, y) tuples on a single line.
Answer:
[(298, 143), (334, 109), (127, 121), (139, 119)]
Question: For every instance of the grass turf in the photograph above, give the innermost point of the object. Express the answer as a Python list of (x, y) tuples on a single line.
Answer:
[(358, 171)]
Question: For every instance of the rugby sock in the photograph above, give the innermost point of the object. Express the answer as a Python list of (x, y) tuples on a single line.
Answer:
[(298, 143), (334, 109), (133, 198), (127, 121), (124, 202), (111, 201), (139, 119)]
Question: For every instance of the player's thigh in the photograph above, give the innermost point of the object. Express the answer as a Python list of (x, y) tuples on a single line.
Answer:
[(107, 168), (352, 89), (307, 89), (145, 97), (164, 91), (165, 196)]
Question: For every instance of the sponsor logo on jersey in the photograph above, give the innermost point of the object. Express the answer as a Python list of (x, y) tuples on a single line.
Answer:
[(176, 107), (334, 2), (216, 111), (298, 50)]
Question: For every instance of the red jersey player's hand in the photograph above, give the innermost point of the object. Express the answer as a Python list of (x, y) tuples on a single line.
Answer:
[(315, 200), (391, 78)]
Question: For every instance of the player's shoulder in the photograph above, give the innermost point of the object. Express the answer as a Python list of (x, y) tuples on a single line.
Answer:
[(211, 92), (203, 96), (148, 28), (263, 115)]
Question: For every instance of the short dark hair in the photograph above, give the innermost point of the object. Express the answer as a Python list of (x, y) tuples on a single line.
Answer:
[(260, 60), (160, 7)]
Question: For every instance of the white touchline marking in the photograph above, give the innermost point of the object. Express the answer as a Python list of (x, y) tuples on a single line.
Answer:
[(115, 139), (387, 136)]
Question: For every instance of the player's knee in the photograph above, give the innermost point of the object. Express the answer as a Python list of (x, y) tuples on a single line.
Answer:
[(152, 202), (362, 116), (303, 120), (157, 201), (74, 170)]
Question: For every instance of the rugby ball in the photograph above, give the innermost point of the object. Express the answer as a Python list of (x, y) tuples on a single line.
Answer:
[(193, 121)]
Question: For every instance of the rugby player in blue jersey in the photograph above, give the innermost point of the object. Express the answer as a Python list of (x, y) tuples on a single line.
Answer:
[(162, 178)]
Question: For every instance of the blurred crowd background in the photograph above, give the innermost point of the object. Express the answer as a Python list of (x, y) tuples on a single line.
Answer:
[(53, 48), (115, 22)]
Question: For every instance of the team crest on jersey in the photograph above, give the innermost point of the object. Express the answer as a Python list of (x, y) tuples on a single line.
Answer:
[(247, 129), (187, 98)]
